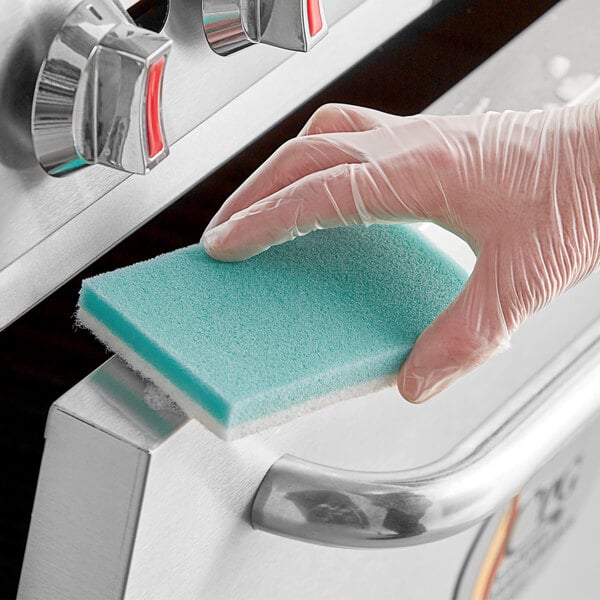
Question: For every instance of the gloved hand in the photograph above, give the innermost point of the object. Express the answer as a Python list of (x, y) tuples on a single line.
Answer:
[(520, 188)]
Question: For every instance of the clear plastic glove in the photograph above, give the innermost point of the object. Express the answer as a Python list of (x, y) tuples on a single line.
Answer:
[(520, 188)]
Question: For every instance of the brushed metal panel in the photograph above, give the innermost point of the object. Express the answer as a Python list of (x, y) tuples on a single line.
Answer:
[(85, 517)]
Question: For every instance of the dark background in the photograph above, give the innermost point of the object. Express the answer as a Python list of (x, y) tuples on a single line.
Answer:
[(42, 355)]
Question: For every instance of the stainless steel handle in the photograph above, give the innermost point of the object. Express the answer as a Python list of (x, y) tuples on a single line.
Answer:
[(98, 95), (231, 25), (336, 507)]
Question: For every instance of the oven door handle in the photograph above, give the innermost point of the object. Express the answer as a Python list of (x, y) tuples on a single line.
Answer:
[(336, 507)]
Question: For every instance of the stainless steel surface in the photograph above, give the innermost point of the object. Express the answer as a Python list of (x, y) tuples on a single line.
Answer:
[(544, 514), (232, 25), (50, 229), (91, 97)]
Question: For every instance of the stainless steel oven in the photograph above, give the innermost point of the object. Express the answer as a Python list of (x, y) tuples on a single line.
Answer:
[(488, 492)]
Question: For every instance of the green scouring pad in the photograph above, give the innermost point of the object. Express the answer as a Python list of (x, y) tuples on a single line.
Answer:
[(242, 346)]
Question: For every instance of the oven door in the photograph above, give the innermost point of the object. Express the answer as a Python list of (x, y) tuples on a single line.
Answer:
[(136, 501)]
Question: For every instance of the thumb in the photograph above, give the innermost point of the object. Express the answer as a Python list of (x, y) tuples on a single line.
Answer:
[(471, 330)]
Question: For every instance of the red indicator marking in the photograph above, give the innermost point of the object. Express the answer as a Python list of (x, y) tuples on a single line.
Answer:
[(315, 20), (153, 129)]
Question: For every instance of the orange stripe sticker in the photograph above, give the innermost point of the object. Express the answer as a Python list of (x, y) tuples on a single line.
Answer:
[(496, 553), (153, 128)]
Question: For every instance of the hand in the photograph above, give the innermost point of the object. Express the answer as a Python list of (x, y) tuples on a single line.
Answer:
[(520, 188)]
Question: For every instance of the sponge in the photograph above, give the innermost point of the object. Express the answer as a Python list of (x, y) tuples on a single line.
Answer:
[(243, 346)]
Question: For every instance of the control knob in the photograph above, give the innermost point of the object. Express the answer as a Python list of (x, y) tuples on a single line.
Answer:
[(98, 96), (231, 25)]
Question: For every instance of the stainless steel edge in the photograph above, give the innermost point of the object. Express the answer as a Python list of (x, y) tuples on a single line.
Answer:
[(51, 229), (84, 521), (324, 505)]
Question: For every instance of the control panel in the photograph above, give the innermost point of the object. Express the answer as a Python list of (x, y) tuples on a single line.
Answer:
[(105, 85)]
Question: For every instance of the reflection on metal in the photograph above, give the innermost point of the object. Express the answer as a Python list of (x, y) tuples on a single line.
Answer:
[(329, 507), (231, 25), (324, 505), (90, 99)]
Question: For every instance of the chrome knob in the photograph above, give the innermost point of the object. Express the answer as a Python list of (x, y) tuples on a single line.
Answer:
[(98, 94), (231, 25)]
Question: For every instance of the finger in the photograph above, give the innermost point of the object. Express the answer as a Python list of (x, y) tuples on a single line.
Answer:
[(342, 195), (344, 118), (296, 159), (302, 207), (471, 330), (300, 157)]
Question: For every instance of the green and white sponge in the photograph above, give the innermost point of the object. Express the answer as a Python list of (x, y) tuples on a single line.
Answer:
[(242, 346)]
